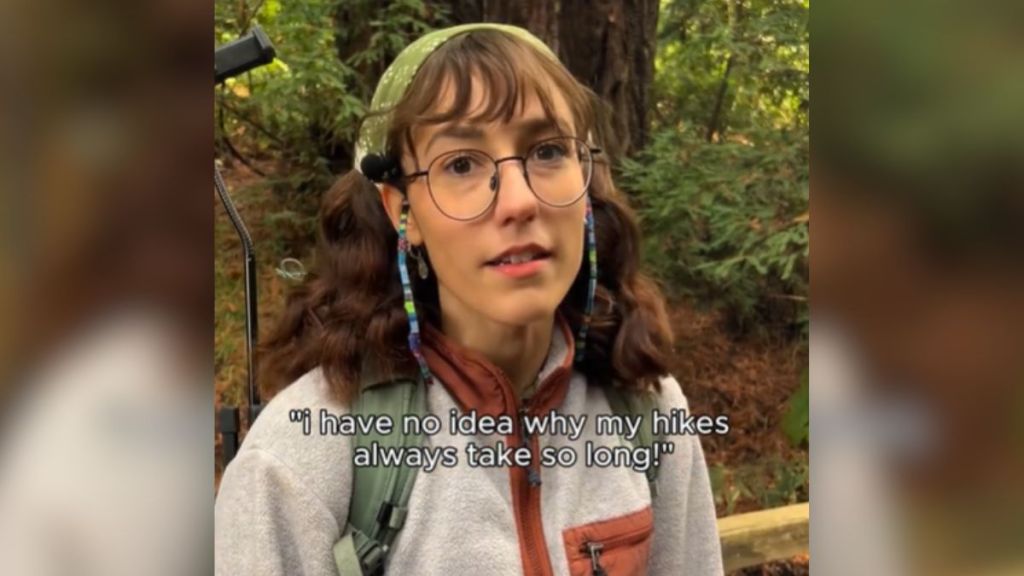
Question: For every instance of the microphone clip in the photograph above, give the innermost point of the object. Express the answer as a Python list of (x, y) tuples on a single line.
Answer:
[(380, 168)]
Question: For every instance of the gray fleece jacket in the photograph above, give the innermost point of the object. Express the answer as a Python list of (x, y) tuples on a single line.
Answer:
[(284, 500)]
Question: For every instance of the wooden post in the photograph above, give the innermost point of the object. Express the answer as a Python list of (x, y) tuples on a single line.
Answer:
[(758, 537)]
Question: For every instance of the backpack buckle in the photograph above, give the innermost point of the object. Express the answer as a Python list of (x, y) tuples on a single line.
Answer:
[(372, 559)]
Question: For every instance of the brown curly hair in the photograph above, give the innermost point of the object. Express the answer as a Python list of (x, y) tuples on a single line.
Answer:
[(348, 313)]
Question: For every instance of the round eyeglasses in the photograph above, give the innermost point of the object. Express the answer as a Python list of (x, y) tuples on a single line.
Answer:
[(464, 183)]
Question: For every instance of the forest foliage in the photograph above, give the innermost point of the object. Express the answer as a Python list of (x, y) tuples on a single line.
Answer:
[(721, 188), (304, 109)]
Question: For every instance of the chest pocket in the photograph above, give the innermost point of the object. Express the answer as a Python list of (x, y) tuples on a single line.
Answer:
[(616, 547)]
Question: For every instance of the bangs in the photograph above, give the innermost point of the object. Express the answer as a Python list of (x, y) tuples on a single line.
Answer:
[(506, 70)]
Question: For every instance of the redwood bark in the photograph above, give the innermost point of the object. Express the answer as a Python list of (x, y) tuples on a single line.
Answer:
[(609, 45)]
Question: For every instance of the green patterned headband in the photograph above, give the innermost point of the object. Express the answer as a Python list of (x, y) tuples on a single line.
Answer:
[(398, 76)]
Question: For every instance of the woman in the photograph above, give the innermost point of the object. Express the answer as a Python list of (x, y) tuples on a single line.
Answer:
[(514, 290)]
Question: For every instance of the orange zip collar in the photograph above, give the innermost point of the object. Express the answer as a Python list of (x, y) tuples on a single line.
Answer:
[(477, 384)]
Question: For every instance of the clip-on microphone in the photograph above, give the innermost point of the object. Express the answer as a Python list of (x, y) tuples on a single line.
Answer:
[(380, 168)]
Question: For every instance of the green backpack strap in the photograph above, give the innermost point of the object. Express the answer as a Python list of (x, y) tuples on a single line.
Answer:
[(632, 403), (380, 495)]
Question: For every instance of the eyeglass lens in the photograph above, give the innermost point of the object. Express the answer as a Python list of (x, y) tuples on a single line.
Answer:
[(464, 183)]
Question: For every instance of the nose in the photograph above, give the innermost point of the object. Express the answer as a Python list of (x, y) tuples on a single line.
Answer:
[(516, 201)]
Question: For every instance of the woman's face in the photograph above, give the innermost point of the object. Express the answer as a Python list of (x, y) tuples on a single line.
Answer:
[(515, 262)]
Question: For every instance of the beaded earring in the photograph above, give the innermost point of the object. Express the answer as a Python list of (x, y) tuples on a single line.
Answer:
[(421, 262)]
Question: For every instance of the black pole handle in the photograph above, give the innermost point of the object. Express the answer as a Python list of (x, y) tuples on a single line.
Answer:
[(238, 56)]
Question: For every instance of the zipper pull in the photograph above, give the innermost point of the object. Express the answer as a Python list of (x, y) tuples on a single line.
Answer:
[(532, 475), (594, 549)]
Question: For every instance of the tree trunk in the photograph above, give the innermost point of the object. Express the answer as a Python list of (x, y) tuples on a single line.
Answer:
[(608, 45), (537, 16)]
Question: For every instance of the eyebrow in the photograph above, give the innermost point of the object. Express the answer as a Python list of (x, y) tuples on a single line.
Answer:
[(527, 129)]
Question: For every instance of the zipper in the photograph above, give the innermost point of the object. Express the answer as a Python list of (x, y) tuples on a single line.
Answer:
[(529, 494), (529, 497), (532, 474), (594, 550)]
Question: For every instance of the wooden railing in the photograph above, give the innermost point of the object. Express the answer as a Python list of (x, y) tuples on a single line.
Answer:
[(758, 537)]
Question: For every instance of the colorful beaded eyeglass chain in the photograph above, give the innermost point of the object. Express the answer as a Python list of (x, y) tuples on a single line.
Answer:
[(581, 340), (410, 306)]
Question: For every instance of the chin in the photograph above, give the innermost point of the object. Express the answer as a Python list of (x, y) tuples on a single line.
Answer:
[(521, 310)]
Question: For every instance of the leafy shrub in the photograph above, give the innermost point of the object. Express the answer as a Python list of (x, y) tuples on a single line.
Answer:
[(304, 108), (797, 421), (772, 483), (726, 223), (722, 187)]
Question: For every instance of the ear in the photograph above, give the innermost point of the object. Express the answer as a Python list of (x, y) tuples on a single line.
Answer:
[(392, 199)]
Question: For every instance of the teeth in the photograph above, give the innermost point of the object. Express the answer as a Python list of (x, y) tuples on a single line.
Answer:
[(518, 258)]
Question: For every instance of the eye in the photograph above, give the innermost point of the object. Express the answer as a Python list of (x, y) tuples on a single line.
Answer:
[(550, 152), (462, 164)]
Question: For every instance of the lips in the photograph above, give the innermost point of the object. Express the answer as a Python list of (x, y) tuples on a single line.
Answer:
[(519, 255)]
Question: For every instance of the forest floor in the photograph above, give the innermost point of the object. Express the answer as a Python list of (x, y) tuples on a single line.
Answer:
[(748, 379)]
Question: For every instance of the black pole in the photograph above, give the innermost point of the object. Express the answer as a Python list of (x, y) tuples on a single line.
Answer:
[(248, 52), (251, 318)]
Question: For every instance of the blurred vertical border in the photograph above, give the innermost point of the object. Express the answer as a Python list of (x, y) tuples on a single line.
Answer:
[(105, 150), (917, 347)]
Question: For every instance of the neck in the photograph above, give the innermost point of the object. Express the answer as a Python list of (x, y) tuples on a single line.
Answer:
[(519, 350)]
